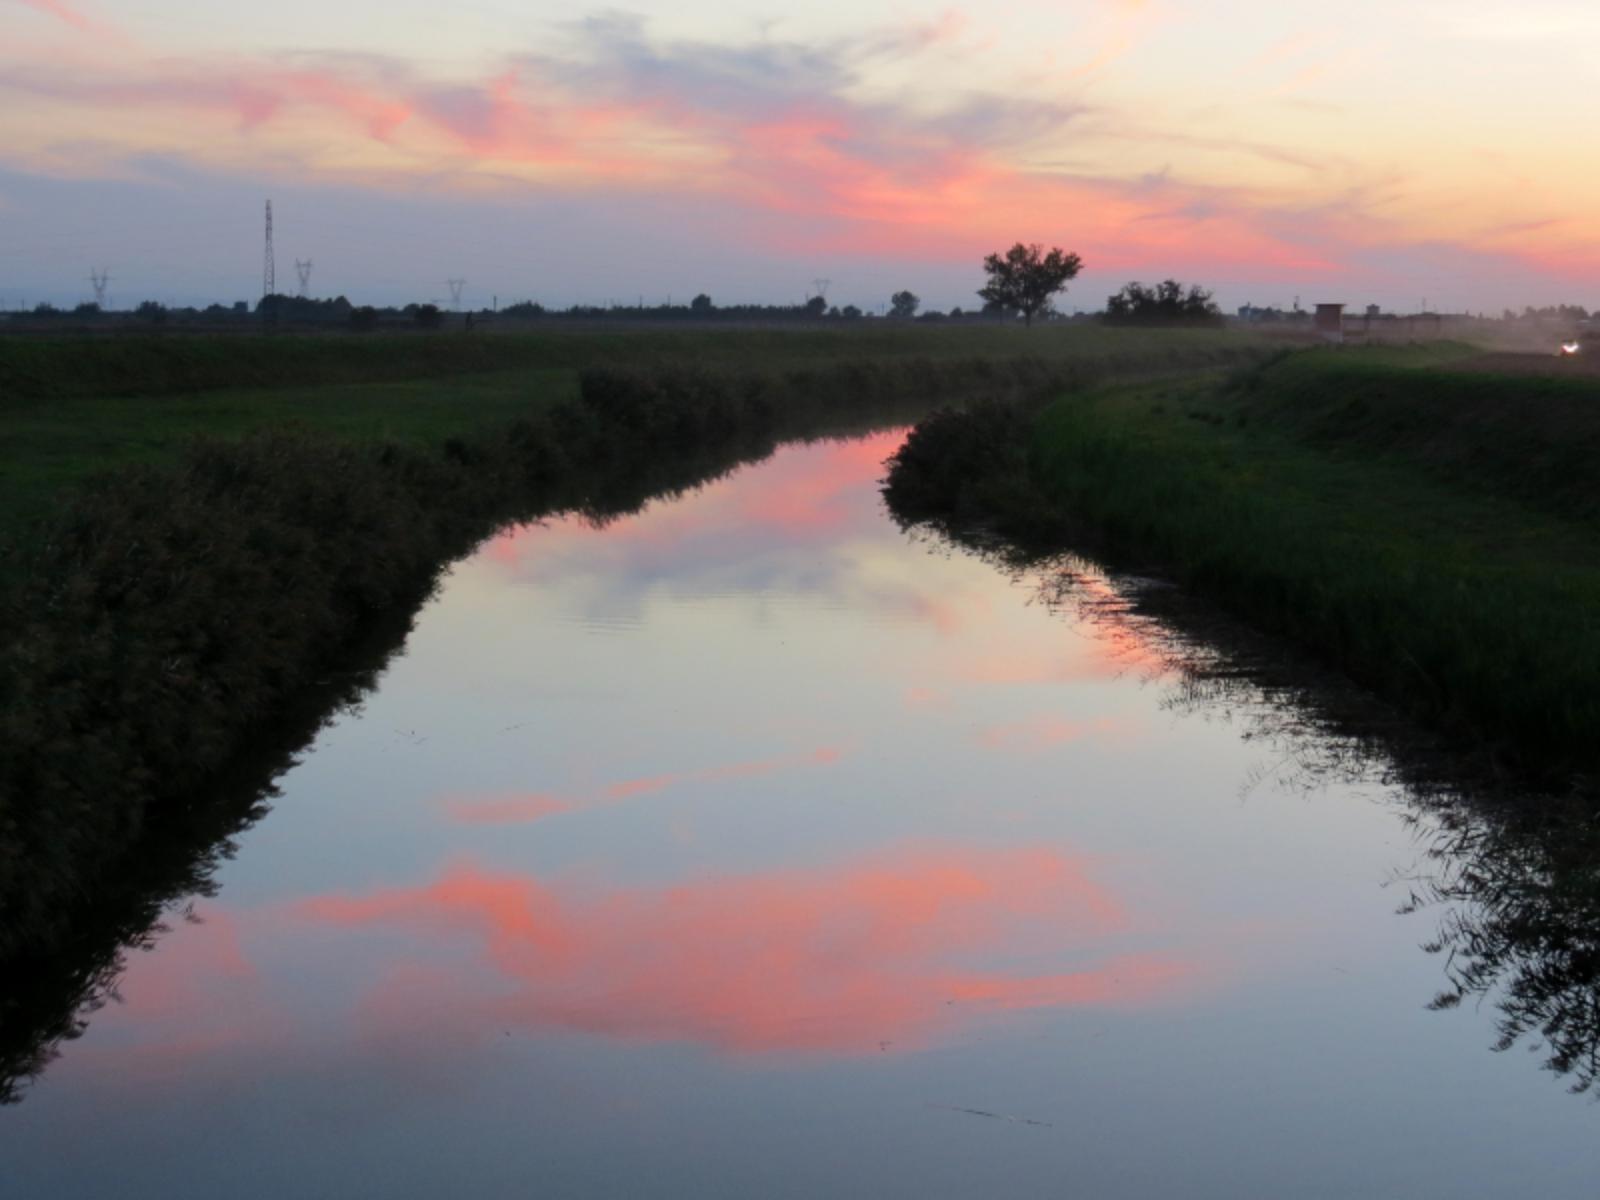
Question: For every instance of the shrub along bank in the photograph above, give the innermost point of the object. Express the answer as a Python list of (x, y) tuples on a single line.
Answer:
[(1387, 543), (168, 612)]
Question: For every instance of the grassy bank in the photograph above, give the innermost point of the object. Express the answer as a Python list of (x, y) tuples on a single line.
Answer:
[(159, 619), (1343, 500), (74, 407)]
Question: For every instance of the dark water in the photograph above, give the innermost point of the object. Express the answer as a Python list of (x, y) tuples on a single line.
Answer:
[(749, 848)]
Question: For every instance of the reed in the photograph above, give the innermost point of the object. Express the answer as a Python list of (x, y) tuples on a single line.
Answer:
[(1405, 549)]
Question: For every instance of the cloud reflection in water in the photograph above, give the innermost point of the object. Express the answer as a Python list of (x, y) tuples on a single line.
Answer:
[(837, 960)]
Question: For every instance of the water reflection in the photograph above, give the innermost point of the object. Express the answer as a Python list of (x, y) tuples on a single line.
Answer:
[(49, 997), (929, 839), (1510, 871), (844, 959), (1520, 892), (521, 809)]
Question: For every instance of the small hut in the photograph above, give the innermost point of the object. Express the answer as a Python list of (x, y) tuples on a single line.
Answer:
[(1329, 322)]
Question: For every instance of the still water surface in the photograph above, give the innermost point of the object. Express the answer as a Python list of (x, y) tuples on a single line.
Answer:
[(750, 848)]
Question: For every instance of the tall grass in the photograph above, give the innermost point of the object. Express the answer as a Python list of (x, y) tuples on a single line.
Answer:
[(1473, 613), (58, 367), (1533, 437)]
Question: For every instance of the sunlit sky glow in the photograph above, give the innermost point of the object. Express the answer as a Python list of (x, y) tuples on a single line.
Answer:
[(1364, 152)]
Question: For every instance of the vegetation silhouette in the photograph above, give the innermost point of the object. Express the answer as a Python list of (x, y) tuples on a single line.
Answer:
[(1167, 303), (1025, 279)]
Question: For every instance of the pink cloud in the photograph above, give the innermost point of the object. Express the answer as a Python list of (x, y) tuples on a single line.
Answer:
[(198, 997), (62, 12), (778, 130), (836, 960), (845, 176)]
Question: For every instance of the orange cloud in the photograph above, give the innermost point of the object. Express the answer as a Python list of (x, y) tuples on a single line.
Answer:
[(833, 960)]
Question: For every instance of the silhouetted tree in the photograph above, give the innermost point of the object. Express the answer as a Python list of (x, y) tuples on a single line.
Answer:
[(815, 306), (904, 305), (701, 305), (151, 310), (1025, 279), (1166, 303), (850, 312)]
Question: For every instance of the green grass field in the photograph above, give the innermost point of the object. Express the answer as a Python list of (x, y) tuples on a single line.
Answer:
[(1423, 519), (52, 445), (73, 407), (1408, 541)]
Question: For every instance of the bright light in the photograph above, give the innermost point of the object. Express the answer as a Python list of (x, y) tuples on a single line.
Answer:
[(1568, 349)]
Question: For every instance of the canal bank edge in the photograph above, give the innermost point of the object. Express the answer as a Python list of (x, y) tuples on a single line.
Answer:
[(1384, 529)]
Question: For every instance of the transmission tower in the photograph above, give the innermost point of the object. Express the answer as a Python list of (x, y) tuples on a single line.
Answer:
[(820, 287), (98, 280), (269, 263), (303, 269), (455, 292)]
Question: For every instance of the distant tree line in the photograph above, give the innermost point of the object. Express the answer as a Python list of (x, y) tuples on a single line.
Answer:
[(1551, 312), (1167, 303), (1022, 285)]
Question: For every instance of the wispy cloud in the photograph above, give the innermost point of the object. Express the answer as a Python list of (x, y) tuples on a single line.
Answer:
[(63, 12), (873, 143)]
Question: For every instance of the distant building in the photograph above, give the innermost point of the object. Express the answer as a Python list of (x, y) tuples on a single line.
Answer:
[(1329, 322), (1256, 315)]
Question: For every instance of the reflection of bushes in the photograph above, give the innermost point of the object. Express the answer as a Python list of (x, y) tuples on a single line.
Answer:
[(1521, 925)]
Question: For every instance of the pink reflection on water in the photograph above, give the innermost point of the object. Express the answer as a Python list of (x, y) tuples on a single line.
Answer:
[(199, 996), (803, 496), (1047, 730), (514, 808), (838, 960)]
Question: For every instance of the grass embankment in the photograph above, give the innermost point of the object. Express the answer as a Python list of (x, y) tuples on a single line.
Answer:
[(156, 622), (1429, 530), (71, 407)]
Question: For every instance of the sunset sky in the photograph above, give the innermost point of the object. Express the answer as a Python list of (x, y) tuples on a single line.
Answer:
[(1364, 151)]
